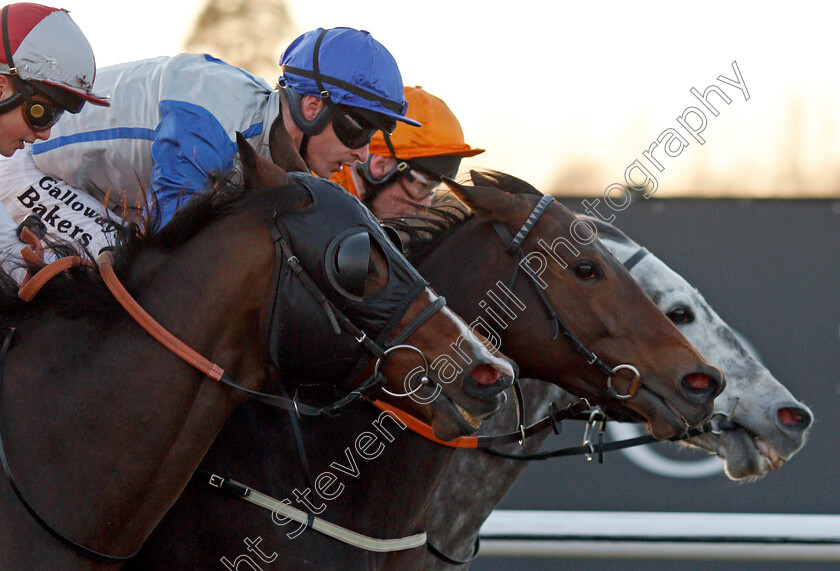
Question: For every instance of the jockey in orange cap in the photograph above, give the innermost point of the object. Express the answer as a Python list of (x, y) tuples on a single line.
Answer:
[(403, 170)]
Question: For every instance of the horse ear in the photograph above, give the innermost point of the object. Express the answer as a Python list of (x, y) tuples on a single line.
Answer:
[(281, 146), (480, 179), (489, 202), (259, 171)]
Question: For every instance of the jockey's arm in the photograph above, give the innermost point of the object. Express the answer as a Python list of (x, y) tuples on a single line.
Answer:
[(190, 143)]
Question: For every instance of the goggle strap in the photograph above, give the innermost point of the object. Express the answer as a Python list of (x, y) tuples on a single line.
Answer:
[(6, 105), (404, 169)]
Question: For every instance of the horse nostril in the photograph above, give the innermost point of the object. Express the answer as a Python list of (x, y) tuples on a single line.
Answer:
[(486, 374), (797, 418), (699, 382)]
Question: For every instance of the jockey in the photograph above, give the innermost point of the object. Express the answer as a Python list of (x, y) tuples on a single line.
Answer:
[(173, 122), (340, 89), (46, 68), (403, 170)]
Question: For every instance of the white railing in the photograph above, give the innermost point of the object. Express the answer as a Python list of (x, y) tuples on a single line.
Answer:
[(656, 535)]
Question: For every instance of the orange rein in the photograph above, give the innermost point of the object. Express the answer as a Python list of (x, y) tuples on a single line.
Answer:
[(424, 429), (31, 284)]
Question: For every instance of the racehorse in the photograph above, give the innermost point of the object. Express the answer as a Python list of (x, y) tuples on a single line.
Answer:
[(389, 497), (103, 426), (565, 267), (758, 426)]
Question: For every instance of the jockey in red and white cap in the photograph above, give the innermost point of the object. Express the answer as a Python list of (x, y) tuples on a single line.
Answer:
[(46, 68)]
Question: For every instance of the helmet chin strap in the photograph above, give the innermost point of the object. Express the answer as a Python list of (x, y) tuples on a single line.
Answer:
[(377, 184), (307, 128), (22, 91)]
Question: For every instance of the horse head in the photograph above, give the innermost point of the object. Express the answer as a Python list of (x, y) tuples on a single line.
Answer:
[(372, 313), (563, 271), (758, 425)]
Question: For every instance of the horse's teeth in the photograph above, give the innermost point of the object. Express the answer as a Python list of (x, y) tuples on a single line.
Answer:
[(473, 422), (769, 452)]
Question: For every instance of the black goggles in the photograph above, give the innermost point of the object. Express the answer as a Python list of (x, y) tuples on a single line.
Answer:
[(40, 115), (355, 128)]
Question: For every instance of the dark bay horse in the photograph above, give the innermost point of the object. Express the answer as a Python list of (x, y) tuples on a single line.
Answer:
[(573, 270), (390, 496), (103, 426)]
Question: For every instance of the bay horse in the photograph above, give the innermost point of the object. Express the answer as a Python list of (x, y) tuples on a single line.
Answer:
[(390, 497), (102, 426), (759, 424)]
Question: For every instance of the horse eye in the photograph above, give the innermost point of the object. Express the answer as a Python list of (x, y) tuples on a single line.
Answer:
[(585, 271), (681, 315)]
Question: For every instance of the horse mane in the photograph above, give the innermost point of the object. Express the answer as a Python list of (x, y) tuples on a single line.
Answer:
[(422, 233), (80, 291), (503, 181)]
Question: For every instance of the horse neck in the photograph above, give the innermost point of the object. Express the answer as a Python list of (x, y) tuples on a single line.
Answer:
[(465, 264), (119, 393), (461, 503), (387, 496), (471, 268)]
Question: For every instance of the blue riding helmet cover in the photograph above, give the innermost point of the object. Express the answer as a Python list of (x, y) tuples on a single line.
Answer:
[(329, 237), (352, 66)]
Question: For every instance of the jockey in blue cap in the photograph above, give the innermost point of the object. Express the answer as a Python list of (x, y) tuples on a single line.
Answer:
[(173, 121), (341, 86)]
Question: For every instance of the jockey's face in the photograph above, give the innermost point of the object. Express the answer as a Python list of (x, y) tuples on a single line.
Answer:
[(14, 129), (325, 153), (403, 197)]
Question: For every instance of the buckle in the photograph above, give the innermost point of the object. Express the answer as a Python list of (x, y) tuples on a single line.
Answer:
[(216, 481)]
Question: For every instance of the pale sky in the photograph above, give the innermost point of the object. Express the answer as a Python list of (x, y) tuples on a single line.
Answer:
[(567, 95)]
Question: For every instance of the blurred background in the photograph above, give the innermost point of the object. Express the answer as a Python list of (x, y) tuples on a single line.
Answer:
[(565, 95)]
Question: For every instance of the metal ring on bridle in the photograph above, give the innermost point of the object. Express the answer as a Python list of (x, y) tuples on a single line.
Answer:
[(715, 427), (630, 368), (424, 380)]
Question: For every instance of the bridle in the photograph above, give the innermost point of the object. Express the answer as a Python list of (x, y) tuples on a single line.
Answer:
[(513, 246), (33, 253), (341, 323)]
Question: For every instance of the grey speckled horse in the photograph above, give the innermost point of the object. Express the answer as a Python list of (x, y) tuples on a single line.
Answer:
[(768, 425)]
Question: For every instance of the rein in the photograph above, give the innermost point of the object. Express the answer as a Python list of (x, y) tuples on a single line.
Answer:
[(555, 416)]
